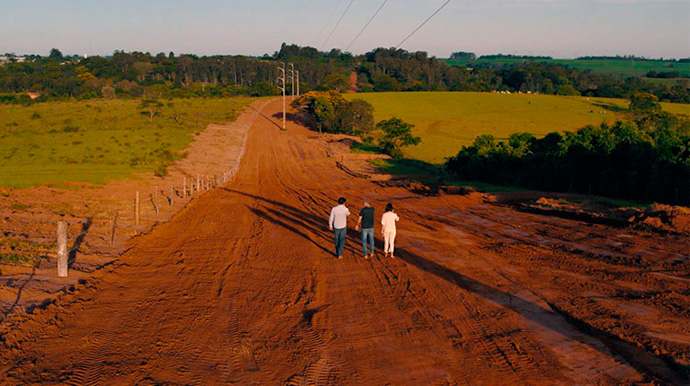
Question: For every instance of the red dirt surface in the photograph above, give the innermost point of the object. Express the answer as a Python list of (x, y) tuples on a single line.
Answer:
[(30, 215), (242, 287)]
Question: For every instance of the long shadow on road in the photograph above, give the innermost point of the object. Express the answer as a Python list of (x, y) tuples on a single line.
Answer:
[(292, 218)]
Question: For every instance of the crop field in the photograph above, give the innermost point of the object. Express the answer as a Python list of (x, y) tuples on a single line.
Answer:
[(98, 140), (616, 67), (448, 120)]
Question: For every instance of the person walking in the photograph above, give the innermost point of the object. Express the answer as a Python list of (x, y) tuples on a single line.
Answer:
[(366, 224), (337, 222), (388, 221)]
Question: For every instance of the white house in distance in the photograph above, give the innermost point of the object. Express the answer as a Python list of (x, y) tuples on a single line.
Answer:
[(9, 58)]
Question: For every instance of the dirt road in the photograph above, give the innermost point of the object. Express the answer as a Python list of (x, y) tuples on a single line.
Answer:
[(242, 287)]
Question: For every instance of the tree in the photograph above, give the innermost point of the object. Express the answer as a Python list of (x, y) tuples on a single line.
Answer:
[(335, 81), (567, 89), (108, 92), (384, 82), (263, 89), (321, 107), (355, 117), (463, 55), (644, 102), (396, 134), (55, 54), (151, 108)]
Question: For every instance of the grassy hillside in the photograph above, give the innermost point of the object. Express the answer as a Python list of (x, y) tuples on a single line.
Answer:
[(446, 120), (617, 67), (93, 141)]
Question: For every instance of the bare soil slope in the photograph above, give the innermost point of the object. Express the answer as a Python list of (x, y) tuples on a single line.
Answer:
[(242, 287)]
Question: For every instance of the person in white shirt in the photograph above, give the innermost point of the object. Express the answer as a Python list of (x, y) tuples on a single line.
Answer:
[(337, 222), (388, 221)]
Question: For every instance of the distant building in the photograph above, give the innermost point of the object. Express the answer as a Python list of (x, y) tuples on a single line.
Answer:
[(9, 59)]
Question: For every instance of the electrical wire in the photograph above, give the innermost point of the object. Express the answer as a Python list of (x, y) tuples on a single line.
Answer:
[(336, 24), (422, 25), (366, 25), (330, 19)]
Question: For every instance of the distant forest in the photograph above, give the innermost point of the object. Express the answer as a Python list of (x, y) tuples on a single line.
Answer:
[(138, 74)]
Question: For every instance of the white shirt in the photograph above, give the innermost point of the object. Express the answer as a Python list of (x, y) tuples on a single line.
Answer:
[(338, 218), (388, 221)]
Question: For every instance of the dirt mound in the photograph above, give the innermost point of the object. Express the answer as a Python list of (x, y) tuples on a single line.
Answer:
[(667, 217), (661, 218)]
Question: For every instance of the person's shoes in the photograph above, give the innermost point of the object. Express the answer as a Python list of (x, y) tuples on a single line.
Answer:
[(340, 257), (392, 257)]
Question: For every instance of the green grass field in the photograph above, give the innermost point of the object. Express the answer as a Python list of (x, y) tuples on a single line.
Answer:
[(99, 140), (616, 67), (448, 120)]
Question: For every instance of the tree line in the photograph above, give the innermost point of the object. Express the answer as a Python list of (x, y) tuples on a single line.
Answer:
[(646, 157), (633, 57), (137, 74)]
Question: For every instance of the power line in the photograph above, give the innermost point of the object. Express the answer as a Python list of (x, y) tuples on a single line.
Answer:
[(422, 25), (337, 24), (366, 25), (330, 19)]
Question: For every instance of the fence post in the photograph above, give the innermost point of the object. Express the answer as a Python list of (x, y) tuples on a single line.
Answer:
[(172, 197), (184, 187), (62, 248), (198, 183), (136, 209)]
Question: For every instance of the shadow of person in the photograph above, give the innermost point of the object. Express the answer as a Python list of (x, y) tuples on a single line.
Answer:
[(550, 318), (72, 257)]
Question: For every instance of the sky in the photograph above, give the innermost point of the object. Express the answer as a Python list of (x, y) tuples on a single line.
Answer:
[(558, 28)]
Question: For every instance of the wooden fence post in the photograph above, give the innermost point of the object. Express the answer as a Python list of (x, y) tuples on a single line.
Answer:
[(62, 255), (136, 209), (184, 187), (172, 191), (198, 183)]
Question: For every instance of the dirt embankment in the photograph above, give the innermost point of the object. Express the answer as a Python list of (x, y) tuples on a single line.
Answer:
[(101, 218), (660, 218), (242, 287)]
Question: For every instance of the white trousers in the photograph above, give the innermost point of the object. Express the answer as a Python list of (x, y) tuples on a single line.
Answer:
[(388, 241)]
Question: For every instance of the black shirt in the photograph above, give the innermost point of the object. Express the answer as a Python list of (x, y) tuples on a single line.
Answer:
[(367, 214)]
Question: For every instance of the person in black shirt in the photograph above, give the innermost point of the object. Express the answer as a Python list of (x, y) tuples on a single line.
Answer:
[(366, 224)]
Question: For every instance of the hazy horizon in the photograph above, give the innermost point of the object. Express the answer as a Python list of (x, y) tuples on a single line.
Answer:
[(562, 29)]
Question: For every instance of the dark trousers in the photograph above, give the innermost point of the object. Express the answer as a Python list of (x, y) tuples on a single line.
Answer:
[(339, 240)]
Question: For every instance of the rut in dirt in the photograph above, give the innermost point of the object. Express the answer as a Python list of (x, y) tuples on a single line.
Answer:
[(242, 287)]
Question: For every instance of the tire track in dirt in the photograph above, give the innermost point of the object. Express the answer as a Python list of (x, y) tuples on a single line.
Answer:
[(242, 287)]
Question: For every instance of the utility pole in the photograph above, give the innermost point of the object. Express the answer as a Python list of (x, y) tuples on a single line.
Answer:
[(281, 79), (297, 82), (291, 71)]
